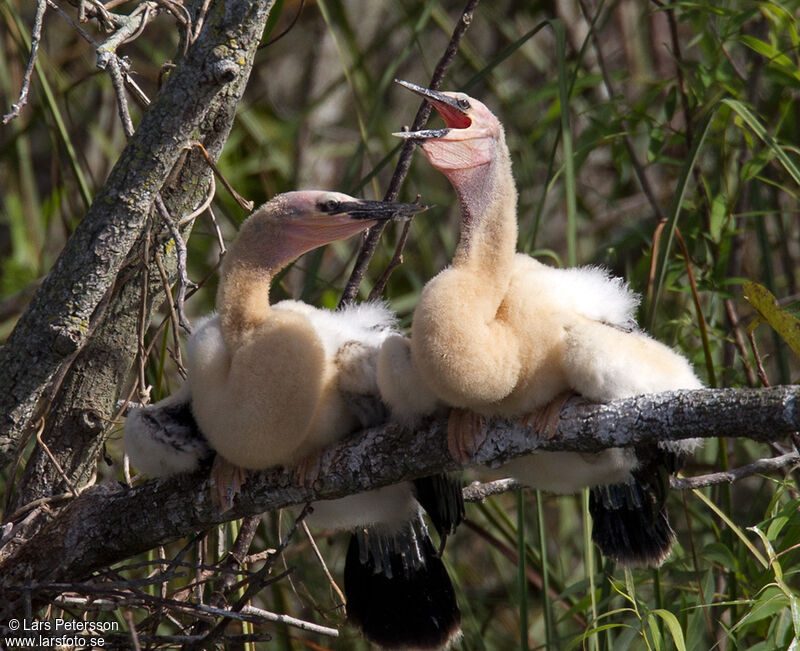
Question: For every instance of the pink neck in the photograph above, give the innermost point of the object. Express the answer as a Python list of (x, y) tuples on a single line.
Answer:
[(488, 219)]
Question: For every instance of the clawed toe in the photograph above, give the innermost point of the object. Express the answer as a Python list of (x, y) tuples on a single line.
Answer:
[(306, 471), (466, 433), (544, 422), (227, 481)]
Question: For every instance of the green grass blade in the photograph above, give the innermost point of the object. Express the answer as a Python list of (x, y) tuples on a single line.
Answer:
[(733, 527), (588, 556), (751, 121), (522, 581), (566, 144), (673, 626), (52, 105), (674, 213), (548, 605)]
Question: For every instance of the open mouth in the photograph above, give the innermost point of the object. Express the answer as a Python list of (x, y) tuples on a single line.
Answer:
[(454, 112)]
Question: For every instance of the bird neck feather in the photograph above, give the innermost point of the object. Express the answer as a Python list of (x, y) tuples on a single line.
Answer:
[(261, 250), (488, 197)]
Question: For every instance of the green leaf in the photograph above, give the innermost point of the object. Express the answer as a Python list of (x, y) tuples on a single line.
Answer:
[(775, 526), (751, 121), (769, 603), (719, 213), (733, 527), (673, 625), (720, 553), (774, 56), (762, 300)]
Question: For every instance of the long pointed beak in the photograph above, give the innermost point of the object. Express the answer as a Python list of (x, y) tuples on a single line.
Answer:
[(380, 211), (435, 96), (453, 110), (424, 134)]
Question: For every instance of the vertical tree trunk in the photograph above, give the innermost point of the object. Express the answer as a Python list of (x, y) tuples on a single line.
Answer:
[(72, 350)]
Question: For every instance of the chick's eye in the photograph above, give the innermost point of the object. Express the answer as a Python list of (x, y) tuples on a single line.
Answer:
[(330, 206), (463, 104)]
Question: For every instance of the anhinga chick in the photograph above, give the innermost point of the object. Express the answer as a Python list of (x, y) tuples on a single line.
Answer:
[(272, 385), (499, 333)]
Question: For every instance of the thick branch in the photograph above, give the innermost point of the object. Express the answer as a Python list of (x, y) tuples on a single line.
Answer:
[(129, 521), (62, 313)]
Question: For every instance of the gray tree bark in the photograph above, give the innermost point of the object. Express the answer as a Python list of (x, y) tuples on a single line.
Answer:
[(71, 353), (131, 520), (84, 297)]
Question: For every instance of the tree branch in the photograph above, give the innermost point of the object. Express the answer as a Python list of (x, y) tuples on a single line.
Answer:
[(132, 520), (404, 162), (36, 34), (66, 307), (79, 401)]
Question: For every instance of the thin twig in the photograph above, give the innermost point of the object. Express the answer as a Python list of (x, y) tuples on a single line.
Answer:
[(404, 161), (139, 598), (128, 616), (108, 21), (42, 501), (478, 492), (701, 319), (183, 276), (288, 29), (396, 261), (82, 32), (52, 458), (182, 15), (173, 315), (637, 166), (86, 603), (36, 34), (201, 18), (237, 555), (762, 374), (258, 581), (676, 53), (260, 556), (139, 95), (244, 203), (733, 318), (114, 69), (148, 8), (325, 569), (289, 621), (220, 241), (212, 188), (129, 26), (730, 476), (144, 390)]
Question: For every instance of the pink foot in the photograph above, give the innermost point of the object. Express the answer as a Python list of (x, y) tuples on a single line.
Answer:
[(466, 432), (544, 421), (227, 481), (306, 471)]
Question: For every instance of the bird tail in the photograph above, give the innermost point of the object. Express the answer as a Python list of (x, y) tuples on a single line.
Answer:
[(441, 497), (163, 438), (398, 590), (630, 523)]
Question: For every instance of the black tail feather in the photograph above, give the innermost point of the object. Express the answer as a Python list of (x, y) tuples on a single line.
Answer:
[(630, 523), (398, 590), (441, 497)]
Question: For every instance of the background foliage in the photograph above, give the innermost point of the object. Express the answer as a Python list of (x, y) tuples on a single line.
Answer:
[(687, 115)]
